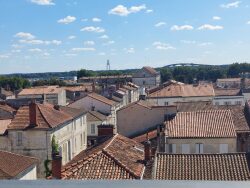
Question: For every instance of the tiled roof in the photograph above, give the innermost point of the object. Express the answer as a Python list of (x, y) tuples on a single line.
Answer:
[(41, 90), (117, 158), (95, 116), (144, 137), (6, 112), (102, 99), (6, 92), (237, 111), (13, 164), (217, 167), (226, 92), (79, 88), (184, 90), (150, 70), (47, 117), (73, 112), (201, 124)]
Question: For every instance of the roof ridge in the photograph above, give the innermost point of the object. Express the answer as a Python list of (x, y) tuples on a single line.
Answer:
[(119, 163), (114, 137), (38, 106), (94, 114)]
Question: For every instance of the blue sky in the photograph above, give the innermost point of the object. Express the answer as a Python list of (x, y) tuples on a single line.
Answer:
[(63, 35)]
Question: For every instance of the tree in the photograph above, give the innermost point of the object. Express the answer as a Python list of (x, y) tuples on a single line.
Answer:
[(166, 74), (85, 73)]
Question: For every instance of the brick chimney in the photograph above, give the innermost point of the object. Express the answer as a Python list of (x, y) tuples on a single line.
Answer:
[(147, 150), (33, 113), (105, 130), (56, 166)]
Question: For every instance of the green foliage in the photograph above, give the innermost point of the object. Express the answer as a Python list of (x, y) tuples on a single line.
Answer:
[(50, 82), (14, 83), (54, 145), (85, 73), (47, 171)]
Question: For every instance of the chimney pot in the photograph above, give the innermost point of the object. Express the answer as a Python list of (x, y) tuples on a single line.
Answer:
[(105, 130), (56, 166), (147, 150)]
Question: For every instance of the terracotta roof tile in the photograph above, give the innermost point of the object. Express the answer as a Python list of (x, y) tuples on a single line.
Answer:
[(150, 70), (108, 161), (227, 92), (201, 124), (95, 116), (102, 99), (47, 117), (13, 164), (217, 167), (184, 90), (41, 90)]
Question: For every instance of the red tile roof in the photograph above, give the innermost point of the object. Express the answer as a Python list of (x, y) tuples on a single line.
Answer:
[(47, 117), (117, 158), (102, 99), (150, 70), (13, 164), (226, 92), (144, 137), (216, 167), (41, 90), (184, 90), (201, 124), (95, 116)]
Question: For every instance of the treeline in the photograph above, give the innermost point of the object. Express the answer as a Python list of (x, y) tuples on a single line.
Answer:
[(49, 82), (13, 83), (90, 73), (200, 73)]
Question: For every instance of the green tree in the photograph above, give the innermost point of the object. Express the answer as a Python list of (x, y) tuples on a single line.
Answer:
[(85, 73)]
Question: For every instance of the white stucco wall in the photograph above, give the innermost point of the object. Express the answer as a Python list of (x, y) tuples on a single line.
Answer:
[(29, 174), (229, 100)]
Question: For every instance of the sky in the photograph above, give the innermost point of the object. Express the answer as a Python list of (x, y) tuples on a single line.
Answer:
[(64, 35)]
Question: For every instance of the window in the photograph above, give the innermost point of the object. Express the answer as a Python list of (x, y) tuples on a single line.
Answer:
[(81, 140), (69, 151), (83, 137), (166, 103), (92, 128), (19, 138), (217, 103), (227, 103), (238, 102), (143, 82), (185, 148), (198, 148), (172, 148), (223, 148)]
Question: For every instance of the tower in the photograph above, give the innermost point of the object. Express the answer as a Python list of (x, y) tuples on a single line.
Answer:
[(108, 66)]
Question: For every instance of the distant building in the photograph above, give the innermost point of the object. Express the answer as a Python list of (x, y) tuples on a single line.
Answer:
[(76, 92), (106, 80), (169, 93), (229, 83), (94, 119), (96, 102), (51, 94), (141, 116), (5, 94), (147, 77), (228, 97), (17, 167), (31, 131)]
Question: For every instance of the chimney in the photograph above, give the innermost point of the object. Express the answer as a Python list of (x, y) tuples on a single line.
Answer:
[(147, 150), (105, 130), (56, 166), (33, 113), (93, 86), (57, 107)]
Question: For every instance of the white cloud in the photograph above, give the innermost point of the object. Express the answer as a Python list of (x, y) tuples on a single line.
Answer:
[(70, 55), (24, 35), (109, 43), (43, 2), (71, 37), (121, 10), (46, 54), (149, 11), (248, 22), (104, 37), (82, 49), (210, 27), (160, 24), (205, 44), (129, 50), (216, 18), (96, 20), (67, 20), (163, 46), (4, 56), (35, 50), (37, 42), (93, 29), (182, 27), (231, 5), (89, 43), (15, 51)]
